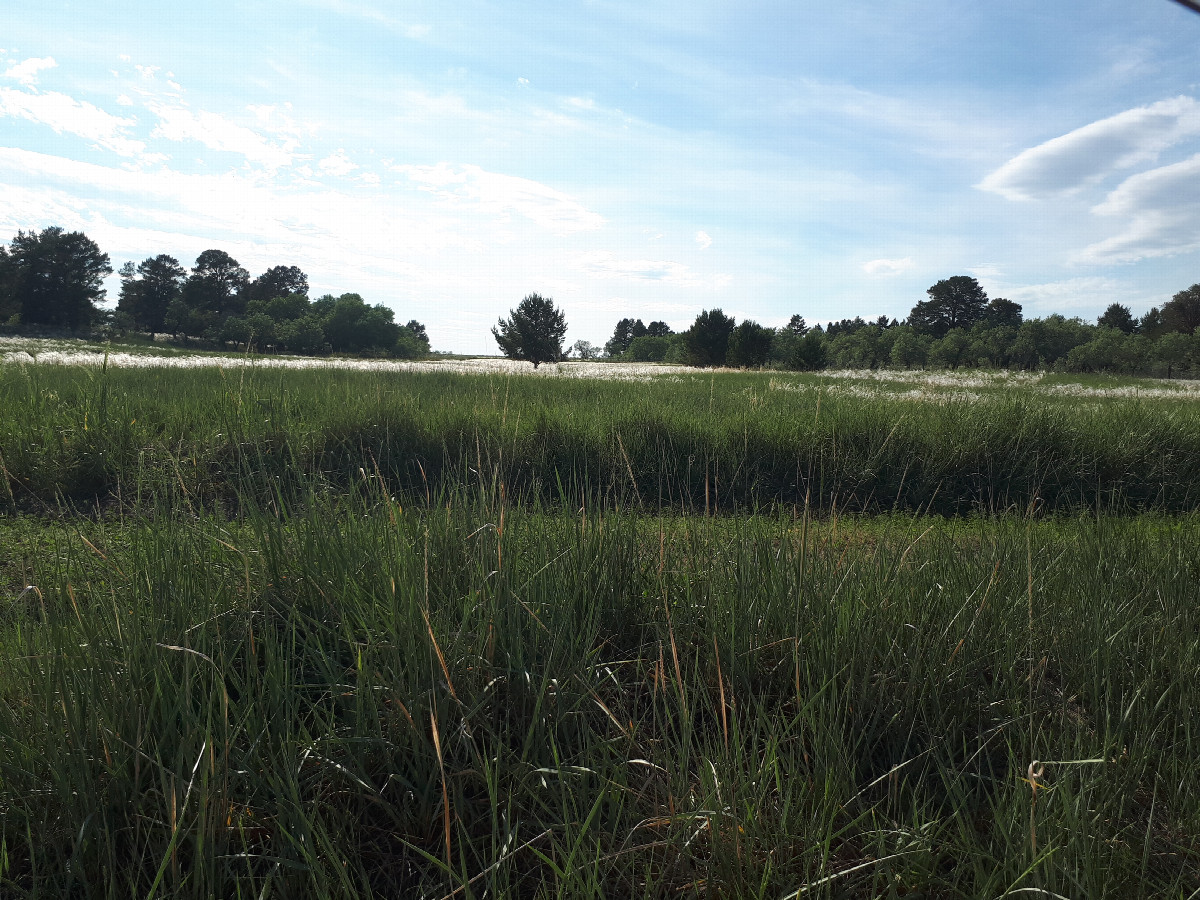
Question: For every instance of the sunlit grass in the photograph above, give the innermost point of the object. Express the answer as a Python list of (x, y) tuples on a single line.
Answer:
[(701, 441), (369, 700)]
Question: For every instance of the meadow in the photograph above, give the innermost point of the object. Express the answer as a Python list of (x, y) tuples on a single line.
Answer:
[(368, 631)]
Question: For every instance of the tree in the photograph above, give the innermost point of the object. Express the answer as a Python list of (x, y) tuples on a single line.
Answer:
[(215, 288), (1119, 317), (277, 281), (55, 277), (658, 329), (797, 326), (148, 289), (956, 302), (623, 335), (1173, 348), (1182, 312), (707, 341), (648, 348), (533, 332), (10, 309), (1002, 313), (585, 350), (1151, 324), (412, 342), (909, 350), (749, 345), (352, 326)]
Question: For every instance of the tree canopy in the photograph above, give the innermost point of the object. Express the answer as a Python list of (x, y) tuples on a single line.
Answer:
[(956, 302), (52, 278), (707, 341), (533, 332)]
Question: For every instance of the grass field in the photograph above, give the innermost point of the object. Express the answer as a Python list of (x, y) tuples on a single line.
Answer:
[(338, 633)]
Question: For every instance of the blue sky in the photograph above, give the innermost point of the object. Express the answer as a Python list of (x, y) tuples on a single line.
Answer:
[(625, 158)]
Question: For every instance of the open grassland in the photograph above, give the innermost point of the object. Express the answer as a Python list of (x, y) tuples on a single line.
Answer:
[(376, 632), (209, 436), (470, 698)]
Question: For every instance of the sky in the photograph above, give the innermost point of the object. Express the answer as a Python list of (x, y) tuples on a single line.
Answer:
[(642, 159)]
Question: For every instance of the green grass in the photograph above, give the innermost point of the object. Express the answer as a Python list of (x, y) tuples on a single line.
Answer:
[(727, 442), (360, 634), (369, 700)]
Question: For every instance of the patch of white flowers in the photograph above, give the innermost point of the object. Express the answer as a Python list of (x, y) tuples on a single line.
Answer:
[(885, 384)]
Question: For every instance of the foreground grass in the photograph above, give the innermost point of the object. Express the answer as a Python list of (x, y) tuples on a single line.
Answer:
[(82, 436), (474, 698)]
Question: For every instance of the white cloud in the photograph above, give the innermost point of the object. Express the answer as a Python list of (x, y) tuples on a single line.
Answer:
[(1160, 212), (178, 123), (1090, 292), (337, 164), (147, 72), (1089, 154), (549, 208), (985, 270), (703, 240), (26, 72), (522, 81), (604, 264), (124, 100), (78, 117), (886, 267)]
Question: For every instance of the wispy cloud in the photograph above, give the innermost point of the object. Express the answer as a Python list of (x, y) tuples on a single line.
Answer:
[(605, 264), (27, 72), (1089, 154), (179, 123), (703, 240), (67, 115), (337, 164), (550, 208), (1159, 211), (1090, 292), (885, 267)]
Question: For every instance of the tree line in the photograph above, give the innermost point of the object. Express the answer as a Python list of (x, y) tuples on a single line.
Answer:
[(53, 280), (957, 326)]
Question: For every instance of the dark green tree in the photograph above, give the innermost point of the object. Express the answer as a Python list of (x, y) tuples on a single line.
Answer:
[(10, 309), (533, 331), (1151, 324), (648, 348), (56, 277), (1119, 317), (148, 289), (956, 302), (412, 341), (707, 341), (1002, 313), (623, 336), (215, 289), (1182, 312), (797, 326), (351, 326), (277, 281), (749, 345), (658, 329)]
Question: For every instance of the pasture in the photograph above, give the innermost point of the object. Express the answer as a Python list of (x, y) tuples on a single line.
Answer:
[(457, 631)]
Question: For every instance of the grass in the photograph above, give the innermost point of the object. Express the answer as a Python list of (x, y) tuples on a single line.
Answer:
[(358, 634), (716, 442), (473, 698)]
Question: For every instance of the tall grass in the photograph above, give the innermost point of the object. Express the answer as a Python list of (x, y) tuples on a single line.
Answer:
[(705, 443), (354, 697)]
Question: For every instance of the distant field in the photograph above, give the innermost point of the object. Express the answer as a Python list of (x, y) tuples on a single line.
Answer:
[(448, 630), (211, 428)]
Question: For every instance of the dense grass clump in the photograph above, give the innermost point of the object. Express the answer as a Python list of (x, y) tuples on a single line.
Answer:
[(469, 697), (723, 442)]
